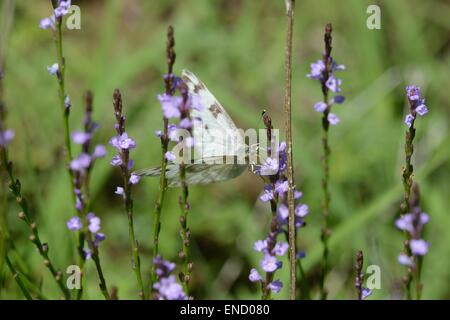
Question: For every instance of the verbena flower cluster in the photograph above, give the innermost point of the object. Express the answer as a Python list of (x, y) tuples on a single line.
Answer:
[(323, 71), (178, 107), (167, 287), (276, 191), (416, 105), (413, 223), (58, 13), (81, 167)]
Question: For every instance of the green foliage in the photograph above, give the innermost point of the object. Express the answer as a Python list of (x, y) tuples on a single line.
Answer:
[(237, 49)]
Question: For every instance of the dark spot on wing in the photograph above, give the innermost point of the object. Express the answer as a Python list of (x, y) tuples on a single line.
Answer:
[(215, 110), (198, 86)]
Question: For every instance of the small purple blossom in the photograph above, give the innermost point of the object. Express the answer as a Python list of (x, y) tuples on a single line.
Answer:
[(254, 275), (301, 210), (87, 254), (338, 99), (116, 161), (185, 123), (280, 248), (267, 194), (81, 163), (317, 69), (169, 156), (134, 179), (276, 286), (260, 245), (120, 191), (409, 120), (283, 211), (333, 119), (413, 92), (6, 137), (122, 142), (366, 292), (94, 222), (334, 84), (419, 247), (80, 137), (99, 151), (53, 69), (47, 23), (281, 187), (170, 105), (320, 106), (269, 167), (63, 8), (169, 289), (74, 224), (270, 263), (422, 110), (403, 259), (163, 268), (99, 237)]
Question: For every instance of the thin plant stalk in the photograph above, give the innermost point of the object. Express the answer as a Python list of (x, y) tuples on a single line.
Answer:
[(171, 56), (18, 278), (290, 172), (128, 201), (325, 164)]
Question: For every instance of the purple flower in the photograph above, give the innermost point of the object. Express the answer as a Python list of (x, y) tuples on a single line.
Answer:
[(254, 275), (169, 156), (170, 105), (320, 106), (169, 289), (280, 248), (99, 237), (297, 194), (301, 210), (281, 187), (421, 109), (260, 245), (365, 293), (333, 119), (316, 70), (276, 286), (53, 69), (405, 260), (268, 194), (87, 254), (74, 224), (120, 191), (185, 123), (81, 163), (418, 247), (116, 161), (94, 222), (270, 263), (47, 23), (6, 137), (173, 133), (338, 99), (63, 8), (270, 167), (283, 211), (134, 179), (406, 221), (80, 137), (409, 120), (162, 267), (122, 142), (413, 92), (333, 84), (99, 151)]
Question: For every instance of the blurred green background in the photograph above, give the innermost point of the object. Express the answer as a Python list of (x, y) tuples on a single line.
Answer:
[(237, 48)]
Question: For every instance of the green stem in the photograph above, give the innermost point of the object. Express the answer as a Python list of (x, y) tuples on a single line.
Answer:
[(290, 168), (185, 236), (15, 187), (16, 276)]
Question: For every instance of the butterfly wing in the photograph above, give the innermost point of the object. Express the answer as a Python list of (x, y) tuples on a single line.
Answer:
[(216, 139)]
